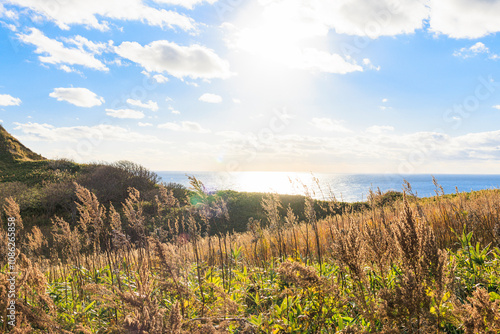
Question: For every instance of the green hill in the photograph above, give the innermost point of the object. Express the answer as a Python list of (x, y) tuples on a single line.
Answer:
[(19, 163), (11, 149), (44, 187)]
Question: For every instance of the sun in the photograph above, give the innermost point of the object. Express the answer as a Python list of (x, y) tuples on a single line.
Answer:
[(277, 31), (266, 42)]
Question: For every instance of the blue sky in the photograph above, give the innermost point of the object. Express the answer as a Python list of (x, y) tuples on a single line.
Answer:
[(398, 86)]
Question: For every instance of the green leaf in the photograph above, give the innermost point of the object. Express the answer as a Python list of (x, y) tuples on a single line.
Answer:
[(494, 296), (89, 306)]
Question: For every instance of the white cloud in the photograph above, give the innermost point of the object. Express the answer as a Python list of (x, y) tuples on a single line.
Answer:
[(384, 100), (497, 106), (279, 32), (54, 52), (8, 13), (373, 18), (84, 44), (116, 61), (173, 111), (210, 98), (49, 132), (9, 26), (284, 23), (7, 100), (148, 105), (160, 78), (237, 101), (80, 97), (185, 126), (144, 124), (465, 18), (366, 152), (368, 64), (190, 4), (277, 35), (474, 50), (68, 69), (352, 17), (157, 77), (125, 113), (473, 146), (95, 13), (316, 60), (330, 125), (193, 61), (379, 129), (233, 135)]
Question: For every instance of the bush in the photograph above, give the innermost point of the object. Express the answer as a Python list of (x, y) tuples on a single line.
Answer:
[(242, 206), (64, 165), (107, 182), (26, 197), (141, 173), (387, 198), (179, 191), (58, 196)]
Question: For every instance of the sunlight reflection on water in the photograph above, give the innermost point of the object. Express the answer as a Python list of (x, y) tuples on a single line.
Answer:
[(347, 187)]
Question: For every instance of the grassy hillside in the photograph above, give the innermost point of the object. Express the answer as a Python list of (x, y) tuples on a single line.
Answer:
[(44, 188), (19, 163), (11, 150)]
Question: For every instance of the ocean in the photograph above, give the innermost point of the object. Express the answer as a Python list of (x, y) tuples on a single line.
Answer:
[(345, 187)]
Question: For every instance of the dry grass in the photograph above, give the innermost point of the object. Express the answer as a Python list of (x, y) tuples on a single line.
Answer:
[(413, 266)]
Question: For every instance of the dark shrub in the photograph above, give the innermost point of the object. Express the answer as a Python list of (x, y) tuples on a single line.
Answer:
[(140, 173), (107, 182)]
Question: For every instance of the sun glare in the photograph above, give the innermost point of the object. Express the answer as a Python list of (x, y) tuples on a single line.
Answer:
[(276, 32), (269, 49), (275, 182)]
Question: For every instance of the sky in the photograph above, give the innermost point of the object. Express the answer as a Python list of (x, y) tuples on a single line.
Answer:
[(344, 86)]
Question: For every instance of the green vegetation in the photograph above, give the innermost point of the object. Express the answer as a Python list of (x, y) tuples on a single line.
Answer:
[(412, 266), (12, 150), (243, 205), (105, 257)]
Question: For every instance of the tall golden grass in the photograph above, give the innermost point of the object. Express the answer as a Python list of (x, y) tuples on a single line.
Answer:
[(411, 266)]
